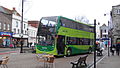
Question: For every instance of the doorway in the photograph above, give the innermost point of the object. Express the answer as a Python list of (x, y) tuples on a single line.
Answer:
[(61, 44)]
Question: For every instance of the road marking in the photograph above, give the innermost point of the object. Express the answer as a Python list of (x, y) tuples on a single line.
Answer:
[(8, 52), (97, 61), (100, 59)]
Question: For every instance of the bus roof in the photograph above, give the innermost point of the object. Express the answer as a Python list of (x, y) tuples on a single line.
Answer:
[(76, 21), (53, 18)]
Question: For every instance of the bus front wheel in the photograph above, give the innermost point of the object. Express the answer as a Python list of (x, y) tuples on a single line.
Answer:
[(69, 52)]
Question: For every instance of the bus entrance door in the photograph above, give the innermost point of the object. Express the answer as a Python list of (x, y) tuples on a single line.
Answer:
[(61, 44)]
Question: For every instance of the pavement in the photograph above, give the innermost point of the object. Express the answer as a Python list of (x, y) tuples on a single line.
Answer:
[(109, 62), (28, 60)]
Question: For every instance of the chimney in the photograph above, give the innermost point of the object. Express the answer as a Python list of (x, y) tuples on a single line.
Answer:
[(13, 8)]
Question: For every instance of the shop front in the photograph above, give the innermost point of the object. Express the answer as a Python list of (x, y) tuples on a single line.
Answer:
[(17, 40), (5, 39)]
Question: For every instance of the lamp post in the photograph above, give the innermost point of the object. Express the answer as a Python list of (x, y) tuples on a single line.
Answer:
[(108, 40), (94, 43), (21, 50)]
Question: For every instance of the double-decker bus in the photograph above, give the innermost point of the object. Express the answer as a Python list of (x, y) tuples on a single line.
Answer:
[(59, 35)]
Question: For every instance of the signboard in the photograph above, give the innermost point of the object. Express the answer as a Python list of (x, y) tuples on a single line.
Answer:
[(5, 34), (105, 38)]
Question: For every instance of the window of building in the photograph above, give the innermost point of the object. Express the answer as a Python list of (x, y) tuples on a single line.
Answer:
[(25, 32), (18, 31), (118, 11), (105, 36), (8, 26), (16, 23), (24, 26), (0, 25), (105, 31), (14, 30), (4, 27)]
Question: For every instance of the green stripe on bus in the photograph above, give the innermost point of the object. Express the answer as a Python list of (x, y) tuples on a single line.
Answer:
[(75, 33), (76, 49)]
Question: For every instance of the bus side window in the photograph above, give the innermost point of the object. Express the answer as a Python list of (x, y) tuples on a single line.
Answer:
[(81, 41), (78, 41), (70, 41)]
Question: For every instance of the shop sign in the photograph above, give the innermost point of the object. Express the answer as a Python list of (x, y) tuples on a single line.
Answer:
[(5, 34)]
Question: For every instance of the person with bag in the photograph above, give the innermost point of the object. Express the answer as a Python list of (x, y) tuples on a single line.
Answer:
[(11, 45)]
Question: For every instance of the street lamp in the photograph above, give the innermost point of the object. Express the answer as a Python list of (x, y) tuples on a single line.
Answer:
[(21, 50), (108, 40), (94, 43)]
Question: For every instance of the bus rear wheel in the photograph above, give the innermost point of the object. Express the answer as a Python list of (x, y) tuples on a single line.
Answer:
[(69, 52)]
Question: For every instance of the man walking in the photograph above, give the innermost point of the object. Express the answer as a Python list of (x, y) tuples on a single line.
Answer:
[(118, 48)]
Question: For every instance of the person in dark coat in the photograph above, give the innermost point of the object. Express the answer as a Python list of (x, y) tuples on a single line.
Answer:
[(118, 48), (112, 49)]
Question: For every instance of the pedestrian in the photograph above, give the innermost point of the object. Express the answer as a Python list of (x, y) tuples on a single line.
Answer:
[(101, 48), (102, 45), (99, 51), (32, 45), (118, 48), (11, 45), (105, 43), (112, 49)]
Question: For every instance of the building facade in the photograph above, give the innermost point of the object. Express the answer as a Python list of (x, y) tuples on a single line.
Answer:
[(5, 27), (115, 16), (11, 26), (104, 32), (17, 26), (32, 31)]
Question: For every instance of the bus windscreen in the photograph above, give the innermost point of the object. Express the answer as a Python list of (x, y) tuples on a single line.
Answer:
[(46, 31)]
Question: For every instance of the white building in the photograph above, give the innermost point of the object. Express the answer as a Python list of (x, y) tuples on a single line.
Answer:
[(98, 31), (32, 31), (104, 32), (16, 28)]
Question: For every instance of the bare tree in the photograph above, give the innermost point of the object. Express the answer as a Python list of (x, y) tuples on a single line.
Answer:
[(82, 19)]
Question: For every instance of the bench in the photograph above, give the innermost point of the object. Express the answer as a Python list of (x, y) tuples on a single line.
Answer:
[(4, 61), (79, 62)]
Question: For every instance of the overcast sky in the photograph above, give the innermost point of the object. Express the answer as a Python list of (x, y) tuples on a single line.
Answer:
[(35, 9)]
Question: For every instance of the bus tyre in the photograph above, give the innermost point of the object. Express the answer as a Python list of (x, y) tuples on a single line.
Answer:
[(69, 52), (90, 50)]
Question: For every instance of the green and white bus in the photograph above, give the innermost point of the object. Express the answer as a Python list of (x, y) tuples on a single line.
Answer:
[(59, 35)]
